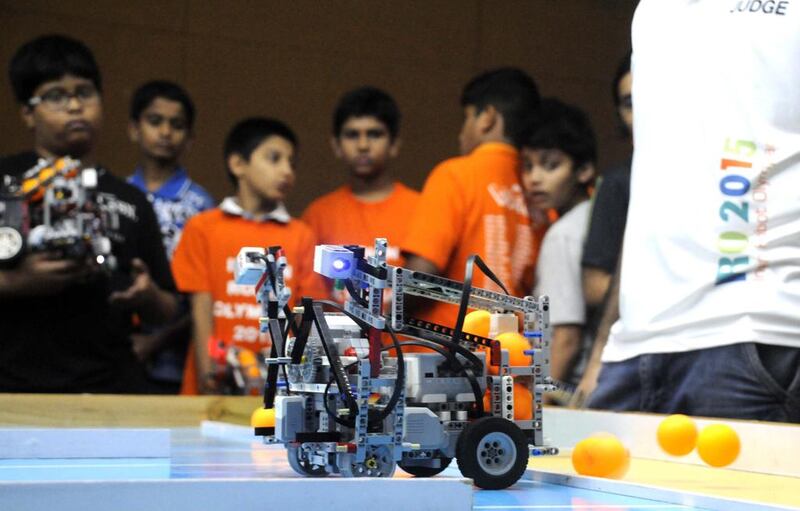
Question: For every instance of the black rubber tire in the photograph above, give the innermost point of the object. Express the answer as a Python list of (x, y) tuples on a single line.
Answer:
[(459, 456), (419, 471), (499, 436), (303, 467)]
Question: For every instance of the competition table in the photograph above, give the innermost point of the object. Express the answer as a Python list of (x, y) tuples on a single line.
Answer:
[(188, 453)]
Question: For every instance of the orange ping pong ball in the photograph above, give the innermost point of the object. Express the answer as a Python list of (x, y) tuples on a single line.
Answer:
[(523, 402), (477, 323), (601, 455), (718, 445), (516, 344), (677, 435), (263, 418)]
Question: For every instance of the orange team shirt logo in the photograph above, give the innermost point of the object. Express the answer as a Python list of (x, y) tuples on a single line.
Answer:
[(508, 262), (204, 262), (236, 314)]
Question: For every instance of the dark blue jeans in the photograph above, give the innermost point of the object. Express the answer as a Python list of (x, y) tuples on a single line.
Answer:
[(743, 381)]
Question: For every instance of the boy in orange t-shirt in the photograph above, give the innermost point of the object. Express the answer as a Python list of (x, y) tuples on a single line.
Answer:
[(473, 204), (259, 155), (365, 137)]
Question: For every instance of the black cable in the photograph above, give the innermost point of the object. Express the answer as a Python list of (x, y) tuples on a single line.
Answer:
[(270, 274), (401, 373), (472, 261), (283, 366), (400, 382), (427, 344), (401, 367), (454, 347), (273, 281), (336, 418), (468, 373), (332, 414), (449, 353)]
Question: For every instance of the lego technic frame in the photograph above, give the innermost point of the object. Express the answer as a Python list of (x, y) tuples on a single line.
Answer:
[(55, 209), (345, 405)]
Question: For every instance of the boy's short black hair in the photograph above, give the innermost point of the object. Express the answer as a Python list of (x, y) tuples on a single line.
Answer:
[(367, 102), (512, 92), (47, 58), (250, 133), (566, 128), (150, 91)]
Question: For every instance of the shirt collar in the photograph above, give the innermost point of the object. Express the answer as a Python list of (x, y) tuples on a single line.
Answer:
[(173, 188), (280, 214), (501, 147)]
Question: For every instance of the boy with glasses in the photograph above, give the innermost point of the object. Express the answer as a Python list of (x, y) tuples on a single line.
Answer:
[(65, 324)]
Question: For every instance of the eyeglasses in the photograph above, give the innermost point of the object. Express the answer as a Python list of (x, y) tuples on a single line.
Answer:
[(58, 99)]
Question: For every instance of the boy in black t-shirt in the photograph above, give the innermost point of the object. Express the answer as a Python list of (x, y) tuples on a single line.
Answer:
[(65, 325)]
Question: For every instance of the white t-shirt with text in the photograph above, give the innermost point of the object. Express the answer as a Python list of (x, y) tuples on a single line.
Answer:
[(711, 254)]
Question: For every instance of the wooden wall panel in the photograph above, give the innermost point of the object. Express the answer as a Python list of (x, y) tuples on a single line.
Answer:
[(150, 15), (294, 59)]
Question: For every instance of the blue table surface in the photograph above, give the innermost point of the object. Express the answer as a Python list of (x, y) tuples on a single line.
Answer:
[(195, 455)]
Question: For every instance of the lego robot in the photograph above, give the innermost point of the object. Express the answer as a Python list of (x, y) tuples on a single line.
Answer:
[(54, 209), (346, 403)]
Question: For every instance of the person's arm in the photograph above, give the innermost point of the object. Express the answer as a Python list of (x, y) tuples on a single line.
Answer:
[(39, 274), (596, 282), (146, 345), (610, 316), (565, 346), (203, 323), (152, 292), (604, 237), (418, 263), (154, 305), (191, 267), (436, 227)]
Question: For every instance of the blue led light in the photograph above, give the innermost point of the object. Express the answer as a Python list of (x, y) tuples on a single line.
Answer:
[(333, 261), (340, 264)]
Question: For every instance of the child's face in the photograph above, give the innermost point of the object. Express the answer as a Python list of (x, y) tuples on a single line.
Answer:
[(269, 173), (549, 178), (67, 117), (161, 132), (365, 145)]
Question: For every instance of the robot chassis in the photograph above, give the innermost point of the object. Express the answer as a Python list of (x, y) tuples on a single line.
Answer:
[(54, 209), (346, 406)]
